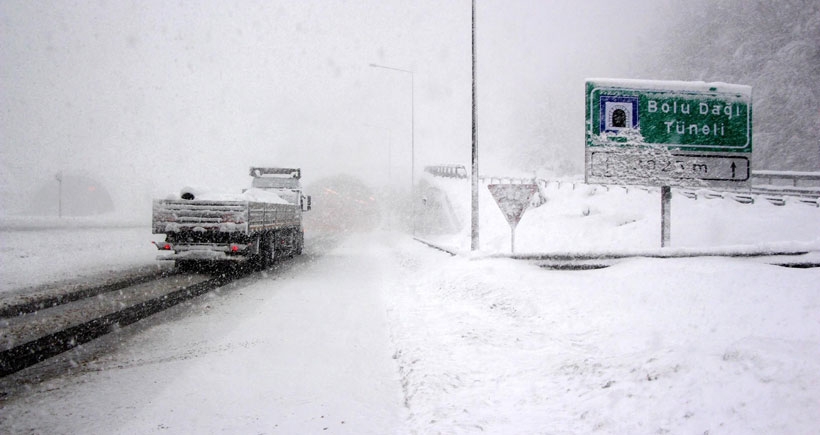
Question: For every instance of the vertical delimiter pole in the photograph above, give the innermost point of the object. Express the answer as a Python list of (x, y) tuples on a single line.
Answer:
[(413, 147), (60, 194), (474, 244), (666, 215), (412, 129)]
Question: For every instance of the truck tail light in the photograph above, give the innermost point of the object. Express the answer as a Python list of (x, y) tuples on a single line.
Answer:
[(237, 248), (163, 246)]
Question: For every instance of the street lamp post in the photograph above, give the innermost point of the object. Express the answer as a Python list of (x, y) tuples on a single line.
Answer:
[(474, 241), (412, 135)]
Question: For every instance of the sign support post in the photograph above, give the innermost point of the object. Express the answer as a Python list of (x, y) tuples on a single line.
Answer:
[(666, 216), (474, 222)]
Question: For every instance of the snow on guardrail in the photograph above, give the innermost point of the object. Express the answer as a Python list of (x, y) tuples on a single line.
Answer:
[(570, 215)]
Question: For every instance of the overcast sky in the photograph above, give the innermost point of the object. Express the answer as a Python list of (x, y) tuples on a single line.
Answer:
[(149, 96)]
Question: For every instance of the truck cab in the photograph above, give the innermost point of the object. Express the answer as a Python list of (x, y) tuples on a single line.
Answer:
[(285, 182)]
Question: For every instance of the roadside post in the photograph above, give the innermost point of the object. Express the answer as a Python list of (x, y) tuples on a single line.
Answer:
[(513, 200), (668, 133)]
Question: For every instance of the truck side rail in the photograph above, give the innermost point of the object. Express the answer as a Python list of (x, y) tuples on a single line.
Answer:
[(222, 216), (266, 216)]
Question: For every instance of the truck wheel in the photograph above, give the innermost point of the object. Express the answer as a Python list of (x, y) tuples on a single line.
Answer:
[(290, 248), (271, 250), (260, 260), (300, 241), (185, 265), (267, 252)]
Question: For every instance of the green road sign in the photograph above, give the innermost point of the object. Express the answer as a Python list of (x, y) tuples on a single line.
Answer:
[(668, 133)]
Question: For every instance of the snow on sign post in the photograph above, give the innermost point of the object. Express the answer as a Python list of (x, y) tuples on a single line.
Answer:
[(513, 200), (668, 133)]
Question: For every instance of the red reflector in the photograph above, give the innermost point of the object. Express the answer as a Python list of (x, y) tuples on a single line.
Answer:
[(167, 247), (234, 248)]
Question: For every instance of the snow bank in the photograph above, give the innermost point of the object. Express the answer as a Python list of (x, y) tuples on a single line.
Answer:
[(581, 218), (673, 85), (713, 345), (36, 256), (111, 220)]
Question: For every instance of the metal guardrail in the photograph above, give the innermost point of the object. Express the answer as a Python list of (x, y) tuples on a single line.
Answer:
[(794, 177), (447, 171), (779, 195)]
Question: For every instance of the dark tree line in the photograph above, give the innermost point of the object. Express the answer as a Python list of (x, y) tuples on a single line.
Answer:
[(774, 46)]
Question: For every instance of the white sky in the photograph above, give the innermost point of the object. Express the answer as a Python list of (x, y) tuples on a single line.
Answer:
[(149, 96)]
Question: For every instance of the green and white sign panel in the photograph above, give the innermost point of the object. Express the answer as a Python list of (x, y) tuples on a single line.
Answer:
[(666, 133)]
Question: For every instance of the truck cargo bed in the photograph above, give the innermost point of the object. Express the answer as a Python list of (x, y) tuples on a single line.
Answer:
[(222, 216)]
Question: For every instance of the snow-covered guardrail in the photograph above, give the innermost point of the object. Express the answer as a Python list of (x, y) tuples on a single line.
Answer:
[(777, 195), (798, 192), (796, 178)]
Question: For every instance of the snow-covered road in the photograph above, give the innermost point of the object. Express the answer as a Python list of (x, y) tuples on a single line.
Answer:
[(377, 333), (300, 349)]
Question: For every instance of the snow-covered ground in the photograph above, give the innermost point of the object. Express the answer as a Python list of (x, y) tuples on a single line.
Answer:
[(580, 218), (40, 251), (707, 345), (381, 334)]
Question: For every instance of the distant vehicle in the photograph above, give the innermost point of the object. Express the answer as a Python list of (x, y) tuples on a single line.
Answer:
[(258, 225)]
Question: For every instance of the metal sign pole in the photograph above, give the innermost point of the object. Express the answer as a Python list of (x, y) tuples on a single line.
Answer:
[(474, 222), (60, 194), (666, 215)]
